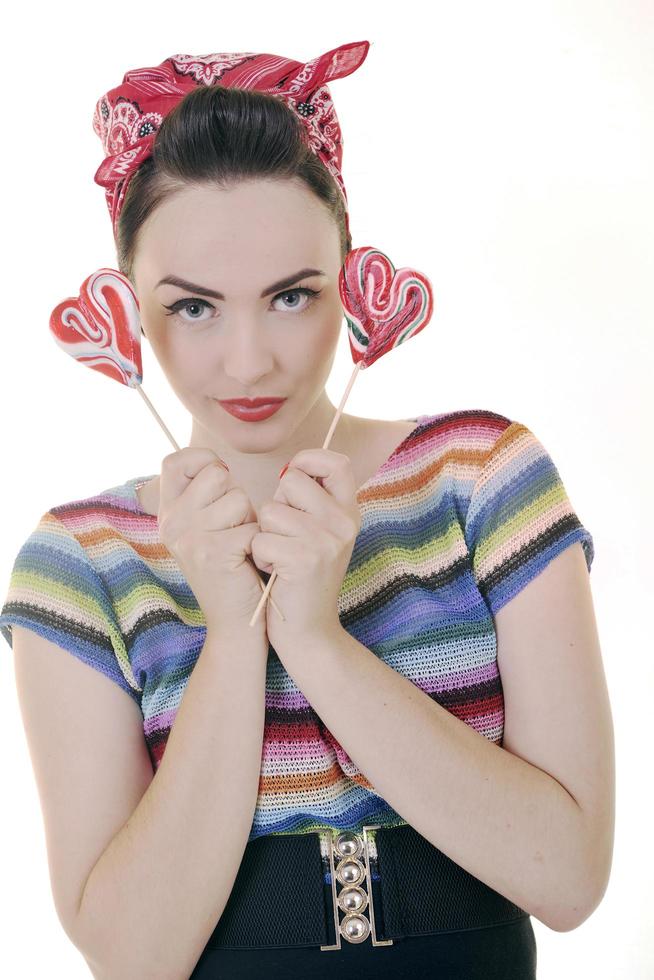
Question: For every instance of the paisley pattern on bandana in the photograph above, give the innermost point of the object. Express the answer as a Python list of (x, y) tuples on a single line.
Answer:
[(128, 117)]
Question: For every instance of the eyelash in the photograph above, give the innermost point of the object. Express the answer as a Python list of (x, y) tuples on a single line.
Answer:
[(182, 303)]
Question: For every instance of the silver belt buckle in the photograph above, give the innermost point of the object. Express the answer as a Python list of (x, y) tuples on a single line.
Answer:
[(350, 851)]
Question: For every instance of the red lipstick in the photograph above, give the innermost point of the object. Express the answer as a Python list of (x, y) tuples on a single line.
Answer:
[(251, 409)]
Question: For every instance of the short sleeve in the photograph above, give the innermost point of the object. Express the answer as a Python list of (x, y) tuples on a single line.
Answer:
[(55, 591), (519, 517)]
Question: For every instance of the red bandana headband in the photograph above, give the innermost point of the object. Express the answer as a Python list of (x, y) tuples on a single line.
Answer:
[(128, 117)]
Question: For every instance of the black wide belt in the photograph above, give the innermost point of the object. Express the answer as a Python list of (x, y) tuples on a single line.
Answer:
[(327, 887)]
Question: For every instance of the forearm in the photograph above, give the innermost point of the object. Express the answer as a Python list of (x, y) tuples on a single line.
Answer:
[(156, 893), (505, 821)]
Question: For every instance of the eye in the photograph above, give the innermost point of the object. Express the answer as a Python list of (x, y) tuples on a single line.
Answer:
[(183, 304), (299, 291)]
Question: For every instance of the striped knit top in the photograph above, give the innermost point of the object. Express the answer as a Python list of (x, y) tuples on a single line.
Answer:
[(466, 510)]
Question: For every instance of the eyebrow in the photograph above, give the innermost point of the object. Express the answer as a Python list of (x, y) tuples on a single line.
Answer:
[(204, 291)]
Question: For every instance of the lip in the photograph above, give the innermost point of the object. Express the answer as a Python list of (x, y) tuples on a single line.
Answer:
[(251, 410), (250, 402)]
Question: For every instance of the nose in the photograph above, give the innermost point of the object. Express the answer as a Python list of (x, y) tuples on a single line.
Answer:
[(246, 356)]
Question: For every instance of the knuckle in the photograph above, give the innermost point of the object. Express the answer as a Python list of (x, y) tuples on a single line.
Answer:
[(265, 511), (241, 500), (238, 505), (239, 494), (339, 460), (218, 470)]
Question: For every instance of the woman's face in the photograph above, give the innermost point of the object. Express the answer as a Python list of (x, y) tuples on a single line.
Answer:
[(263, 246)]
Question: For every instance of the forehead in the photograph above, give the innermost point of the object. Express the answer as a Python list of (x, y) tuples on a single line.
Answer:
[(274, 227)]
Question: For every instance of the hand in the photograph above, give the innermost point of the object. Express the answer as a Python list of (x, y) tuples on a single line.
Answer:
[(207, 523), (307, 535)]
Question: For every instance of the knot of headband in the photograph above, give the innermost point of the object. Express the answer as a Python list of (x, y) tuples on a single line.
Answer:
[(128, 117)]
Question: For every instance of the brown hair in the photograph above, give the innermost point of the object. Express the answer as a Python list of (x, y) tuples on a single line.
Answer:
[(223, 135)]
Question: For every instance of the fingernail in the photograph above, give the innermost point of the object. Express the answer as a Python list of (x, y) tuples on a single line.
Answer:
[(283, 470)]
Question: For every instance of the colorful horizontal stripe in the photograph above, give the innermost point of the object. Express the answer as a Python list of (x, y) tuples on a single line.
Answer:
[(462, 515)]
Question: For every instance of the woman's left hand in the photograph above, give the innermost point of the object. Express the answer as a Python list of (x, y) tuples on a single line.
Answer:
[(307, 536)]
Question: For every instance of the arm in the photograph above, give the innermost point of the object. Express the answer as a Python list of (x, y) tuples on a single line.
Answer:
[(155, 895), (506, 821)]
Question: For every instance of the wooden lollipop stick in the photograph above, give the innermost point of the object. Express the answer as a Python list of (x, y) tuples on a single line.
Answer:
[(159, 419), (161, 422), (339, 411), (325, 445)]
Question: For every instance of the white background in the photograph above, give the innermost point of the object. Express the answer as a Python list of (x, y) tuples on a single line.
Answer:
[(506, 150)]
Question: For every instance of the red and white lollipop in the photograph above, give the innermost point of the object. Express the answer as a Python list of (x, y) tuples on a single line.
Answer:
[(383, 307), (101, 328)]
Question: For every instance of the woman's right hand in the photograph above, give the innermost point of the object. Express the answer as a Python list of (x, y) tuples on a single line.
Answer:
[(207, 523)]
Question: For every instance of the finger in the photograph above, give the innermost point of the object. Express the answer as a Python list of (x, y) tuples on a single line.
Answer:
[(209, 497), (179, 468), (270, 549), (229, 510), (302, 492), (308, 511), (335, 470), (209, 502), (209, 484), (303, 498), (278, 518)]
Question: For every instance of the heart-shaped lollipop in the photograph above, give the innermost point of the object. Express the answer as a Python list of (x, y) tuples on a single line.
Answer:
[(101, 328), (384, 306)]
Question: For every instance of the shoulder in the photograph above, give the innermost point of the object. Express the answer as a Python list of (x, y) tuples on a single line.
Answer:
[(443, 456), (97, 526), (99, 507), (473, 432)]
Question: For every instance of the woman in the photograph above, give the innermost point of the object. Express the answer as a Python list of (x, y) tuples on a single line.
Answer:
[(399, 770)]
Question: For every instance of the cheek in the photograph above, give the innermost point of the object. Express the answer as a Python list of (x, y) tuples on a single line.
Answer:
[(323, 350), (182, 362), (327, 330), (187, 360), (327, 338), (314, 353)]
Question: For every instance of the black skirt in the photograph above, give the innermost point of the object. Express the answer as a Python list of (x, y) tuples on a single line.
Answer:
[(423, 915)]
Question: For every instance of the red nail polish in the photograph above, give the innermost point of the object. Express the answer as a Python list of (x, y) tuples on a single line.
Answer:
[(283, 470)]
